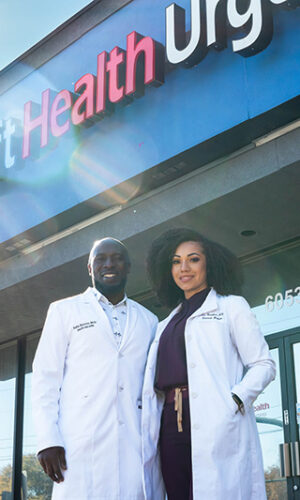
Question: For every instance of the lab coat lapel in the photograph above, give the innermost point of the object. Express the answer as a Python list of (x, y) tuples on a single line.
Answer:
[(210, 304), (89, 298), (130, 327)]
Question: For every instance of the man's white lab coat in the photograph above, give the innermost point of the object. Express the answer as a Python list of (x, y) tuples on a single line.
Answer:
[(87, 397), (222, 338)]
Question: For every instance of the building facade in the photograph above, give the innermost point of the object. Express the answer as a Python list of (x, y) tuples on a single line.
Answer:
[(137, 116)]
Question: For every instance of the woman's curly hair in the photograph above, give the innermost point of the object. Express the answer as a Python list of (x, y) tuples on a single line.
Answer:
[(223, 270)]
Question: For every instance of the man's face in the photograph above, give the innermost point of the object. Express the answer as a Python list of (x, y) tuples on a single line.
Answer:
[(108, 267)]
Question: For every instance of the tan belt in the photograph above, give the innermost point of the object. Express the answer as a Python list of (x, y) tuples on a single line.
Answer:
[(178, 407), (176, 395)]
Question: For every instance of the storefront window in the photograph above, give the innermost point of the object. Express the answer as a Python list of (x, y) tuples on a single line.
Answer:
[(8, 366), (268, 412), (35, 484), (272, 288)]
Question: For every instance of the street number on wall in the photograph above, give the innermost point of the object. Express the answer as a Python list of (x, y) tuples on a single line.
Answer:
[(280, 300)]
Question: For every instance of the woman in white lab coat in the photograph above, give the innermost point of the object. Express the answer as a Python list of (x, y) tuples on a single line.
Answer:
[(207, 364)]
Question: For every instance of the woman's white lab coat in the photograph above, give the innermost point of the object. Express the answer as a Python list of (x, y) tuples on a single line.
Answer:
[(222, 339), (87, 397)]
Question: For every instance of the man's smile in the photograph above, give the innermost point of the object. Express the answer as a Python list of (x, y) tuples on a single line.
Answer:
[(109, 276)]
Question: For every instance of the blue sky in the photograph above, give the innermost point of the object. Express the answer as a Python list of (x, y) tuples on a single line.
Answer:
[(24, 23)]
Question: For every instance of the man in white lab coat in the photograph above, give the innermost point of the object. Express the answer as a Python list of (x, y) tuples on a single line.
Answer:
[(87, 384)]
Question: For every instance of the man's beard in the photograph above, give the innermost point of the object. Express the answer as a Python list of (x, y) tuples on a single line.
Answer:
[(109, 289)]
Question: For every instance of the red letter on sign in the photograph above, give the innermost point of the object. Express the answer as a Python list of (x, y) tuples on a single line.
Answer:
[(56, 129), (101, 83), (116, 58), (40, 121), (145, 63), (84, 105)]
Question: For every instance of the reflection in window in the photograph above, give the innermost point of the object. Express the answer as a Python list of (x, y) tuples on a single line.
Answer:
[(268, 413), (35, 484), (8, 368)]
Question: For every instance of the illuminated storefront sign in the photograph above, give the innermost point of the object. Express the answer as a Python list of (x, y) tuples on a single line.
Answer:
[(82, 104), (122, 75)]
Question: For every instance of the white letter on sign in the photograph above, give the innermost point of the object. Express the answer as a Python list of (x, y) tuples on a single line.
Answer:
[(259, 14), (216, 23), (176, 48)]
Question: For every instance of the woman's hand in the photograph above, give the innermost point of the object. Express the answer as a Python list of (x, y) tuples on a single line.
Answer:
[(53, 461), (239, 403)]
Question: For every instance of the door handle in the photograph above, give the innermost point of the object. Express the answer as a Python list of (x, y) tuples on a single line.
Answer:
[(285, 460), (289, 459), (296, 458)]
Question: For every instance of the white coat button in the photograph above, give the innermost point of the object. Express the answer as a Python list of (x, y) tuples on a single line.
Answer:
[(121, 355), (196, 426), (194, 395), (192, 365), (121, 388)]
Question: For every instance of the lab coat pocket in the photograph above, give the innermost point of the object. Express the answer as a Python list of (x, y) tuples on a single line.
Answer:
[(75, 416), (76, 397), (227, 432)]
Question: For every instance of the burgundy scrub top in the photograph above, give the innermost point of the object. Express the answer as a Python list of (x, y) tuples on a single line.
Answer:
[(171, 369)]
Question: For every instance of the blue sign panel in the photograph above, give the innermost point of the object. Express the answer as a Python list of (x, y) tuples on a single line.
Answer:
[(56, 152)]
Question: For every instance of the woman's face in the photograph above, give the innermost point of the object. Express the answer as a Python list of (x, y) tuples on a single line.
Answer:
[(189, 268)]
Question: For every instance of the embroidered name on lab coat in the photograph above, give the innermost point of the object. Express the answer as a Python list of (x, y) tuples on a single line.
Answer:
[(213, 316), (83, 326)]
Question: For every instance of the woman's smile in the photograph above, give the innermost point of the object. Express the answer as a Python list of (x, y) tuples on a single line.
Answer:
[(185, 278)]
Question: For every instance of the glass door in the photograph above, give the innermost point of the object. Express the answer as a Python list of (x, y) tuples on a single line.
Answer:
[(269, 412), (277, 412), (292, 358)]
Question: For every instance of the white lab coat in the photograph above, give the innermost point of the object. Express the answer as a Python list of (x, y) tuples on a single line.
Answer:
[(87, 397), (222, 338)]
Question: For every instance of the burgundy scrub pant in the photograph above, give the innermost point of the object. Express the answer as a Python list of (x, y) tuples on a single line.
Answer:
[(175, 453)]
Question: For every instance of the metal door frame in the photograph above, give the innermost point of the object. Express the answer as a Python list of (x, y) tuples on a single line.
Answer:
[(284, 342)]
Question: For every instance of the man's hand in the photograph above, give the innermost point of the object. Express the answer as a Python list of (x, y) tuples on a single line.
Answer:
[(53, 461)]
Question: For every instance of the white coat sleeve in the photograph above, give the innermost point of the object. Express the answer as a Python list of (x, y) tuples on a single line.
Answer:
[(47, 377), (253, 351)]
